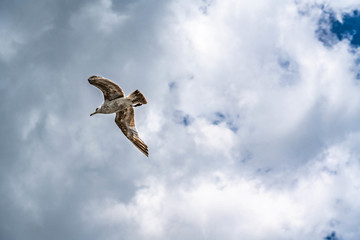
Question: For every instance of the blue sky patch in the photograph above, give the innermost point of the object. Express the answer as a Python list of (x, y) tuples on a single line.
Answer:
[(186, 120), (331, 236), (349, 28), (284, 63), (220, 117), (182, 118), (331, 30)]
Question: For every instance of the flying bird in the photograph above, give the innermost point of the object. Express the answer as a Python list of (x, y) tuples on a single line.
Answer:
[(116, 102)]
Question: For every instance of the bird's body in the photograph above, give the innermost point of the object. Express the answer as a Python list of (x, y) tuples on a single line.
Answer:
[(116, 102), (115, 105)]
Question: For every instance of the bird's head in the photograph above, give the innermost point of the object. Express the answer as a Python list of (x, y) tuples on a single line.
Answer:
[(97, 110)]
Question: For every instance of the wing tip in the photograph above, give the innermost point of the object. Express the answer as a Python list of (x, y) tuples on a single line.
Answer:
[(141, 146), (92, 78)]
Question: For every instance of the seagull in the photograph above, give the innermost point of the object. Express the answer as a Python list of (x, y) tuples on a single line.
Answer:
[(116, 102)]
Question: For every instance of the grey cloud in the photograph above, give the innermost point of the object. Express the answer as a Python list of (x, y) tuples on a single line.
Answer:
[(220, 123), (49, 171)]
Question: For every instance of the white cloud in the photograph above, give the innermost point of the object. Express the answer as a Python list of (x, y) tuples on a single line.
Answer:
[(219, 205), (252, 124)]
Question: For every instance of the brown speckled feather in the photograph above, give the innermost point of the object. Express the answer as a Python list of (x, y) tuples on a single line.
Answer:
[(125, 119), (110, 90)]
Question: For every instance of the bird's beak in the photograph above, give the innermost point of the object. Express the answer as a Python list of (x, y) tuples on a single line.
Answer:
[(92, 114)]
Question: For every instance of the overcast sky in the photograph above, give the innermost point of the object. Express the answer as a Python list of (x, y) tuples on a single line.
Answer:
[(252, 121)]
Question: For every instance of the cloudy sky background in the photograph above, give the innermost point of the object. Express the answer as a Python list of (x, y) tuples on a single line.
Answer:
[(252, 120)]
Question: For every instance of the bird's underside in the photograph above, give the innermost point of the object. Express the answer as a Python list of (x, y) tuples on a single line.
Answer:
[(125, 118)]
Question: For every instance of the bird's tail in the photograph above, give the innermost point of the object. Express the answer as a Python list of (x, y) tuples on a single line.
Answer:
[(137, 98)]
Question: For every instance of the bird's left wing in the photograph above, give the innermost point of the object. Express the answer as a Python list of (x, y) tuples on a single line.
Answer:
[(125, 119), (110, 89)]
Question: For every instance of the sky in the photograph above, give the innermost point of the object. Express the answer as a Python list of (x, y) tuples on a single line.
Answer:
[(252, 120)]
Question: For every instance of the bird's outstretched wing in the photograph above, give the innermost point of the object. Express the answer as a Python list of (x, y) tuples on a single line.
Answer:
[(125, 119), (110, 90)]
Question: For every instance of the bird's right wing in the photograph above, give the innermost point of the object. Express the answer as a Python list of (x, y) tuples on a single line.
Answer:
[(110, 89), (125, 119)]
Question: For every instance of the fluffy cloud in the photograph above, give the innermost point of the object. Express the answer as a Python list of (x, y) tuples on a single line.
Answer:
[(251, 122), (219, 204)]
